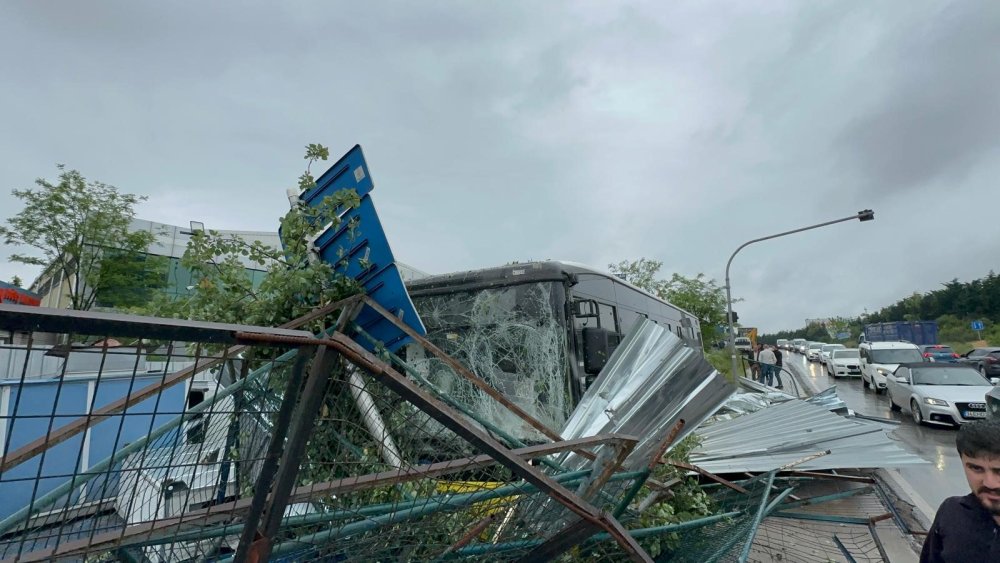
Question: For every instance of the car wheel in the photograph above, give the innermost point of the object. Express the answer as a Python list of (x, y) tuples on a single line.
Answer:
[(918, 416), (982, 371), (892, 404), (864, 382)]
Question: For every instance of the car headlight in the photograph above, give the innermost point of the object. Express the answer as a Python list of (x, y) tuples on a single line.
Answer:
[(937, 402), (883, 372)]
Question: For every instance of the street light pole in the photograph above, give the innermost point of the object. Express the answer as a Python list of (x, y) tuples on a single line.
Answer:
[(865, 215)]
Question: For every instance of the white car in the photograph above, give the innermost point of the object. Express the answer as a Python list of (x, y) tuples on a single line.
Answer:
[(798, 345), (880, 359), (824, 351), (939, 393), (844, 362), (812, 351)]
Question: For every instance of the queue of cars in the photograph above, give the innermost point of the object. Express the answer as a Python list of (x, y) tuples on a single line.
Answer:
[(933, 383)]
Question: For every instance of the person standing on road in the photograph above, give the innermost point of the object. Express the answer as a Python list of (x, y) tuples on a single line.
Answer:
[(777, 365), (766, 359), (967, 529)]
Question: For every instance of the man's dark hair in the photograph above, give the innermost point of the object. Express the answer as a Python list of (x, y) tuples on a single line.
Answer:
[(979, 438)]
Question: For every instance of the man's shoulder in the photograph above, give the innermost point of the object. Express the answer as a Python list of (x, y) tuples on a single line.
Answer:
[(955, 506)]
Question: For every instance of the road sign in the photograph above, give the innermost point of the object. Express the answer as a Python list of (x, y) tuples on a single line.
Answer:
[(977, 325), (843, 335)]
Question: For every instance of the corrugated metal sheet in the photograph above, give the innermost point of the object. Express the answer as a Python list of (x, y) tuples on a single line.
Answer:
[(787, 432), (652, 380)]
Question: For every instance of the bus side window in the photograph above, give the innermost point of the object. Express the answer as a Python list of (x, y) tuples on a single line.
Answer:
[(608, 320)]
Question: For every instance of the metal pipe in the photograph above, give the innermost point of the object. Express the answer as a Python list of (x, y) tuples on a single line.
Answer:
[(864, 215), (415, 511), (761, 510), (481, 549), (373, 420)]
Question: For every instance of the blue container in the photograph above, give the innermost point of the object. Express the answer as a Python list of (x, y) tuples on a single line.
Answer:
[(917, 332)]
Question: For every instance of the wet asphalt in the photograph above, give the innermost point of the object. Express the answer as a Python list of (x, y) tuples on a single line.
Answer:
[(941, 478)]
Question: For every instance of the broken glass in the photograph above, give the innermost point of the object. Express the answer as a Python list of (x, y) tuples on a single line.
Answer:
[(513, 337)]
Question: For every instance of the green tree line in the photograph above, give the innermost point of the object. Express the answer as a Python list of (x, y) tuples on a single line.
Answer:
[(954, 307)]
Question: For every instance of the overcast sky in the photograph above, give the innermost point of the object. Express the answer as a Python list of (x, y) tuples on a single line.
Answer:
[(585, 131)]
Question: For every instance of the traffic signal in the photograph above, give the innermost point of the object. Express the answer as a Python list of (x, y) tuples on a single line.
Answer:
[(735, 317)]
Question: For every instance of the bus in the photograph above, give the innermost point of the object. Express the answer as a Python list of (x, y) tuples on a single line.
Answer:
[(539, 332)]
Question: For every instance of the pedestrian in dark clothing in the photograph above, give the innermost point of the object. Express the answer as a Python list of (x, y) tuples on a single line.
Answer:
[(777, 366), (967, 529)]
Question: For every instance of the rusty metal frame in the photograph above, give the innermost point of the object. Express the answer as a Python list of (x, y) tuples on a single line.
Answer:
[(310, 399), (223, 513), (457, 424), (54, 320), (710, 475)]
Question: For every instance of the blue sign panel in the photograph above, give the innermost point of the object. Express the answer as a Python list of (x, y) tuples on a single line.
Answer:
[(359, 249), (843, 335), (977, 325), (350, 171)]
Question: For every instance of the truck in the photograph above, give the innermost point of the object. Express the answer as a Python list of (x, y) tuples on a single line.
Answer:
[(746, 340), (915, 332)]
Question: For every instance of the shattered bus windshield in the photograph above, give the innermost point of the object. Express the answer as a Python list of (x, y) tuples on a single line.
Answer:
[(514, 337)]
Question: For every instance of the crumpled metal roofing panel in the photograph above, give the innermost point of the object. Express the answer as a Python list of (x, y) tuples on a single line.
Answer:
[(652, 380), (787, 432)]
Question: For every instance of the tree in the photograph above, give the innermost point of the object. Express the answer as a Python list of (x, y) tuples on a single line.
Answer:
[(80, 233), (16, 282), (701, 296)]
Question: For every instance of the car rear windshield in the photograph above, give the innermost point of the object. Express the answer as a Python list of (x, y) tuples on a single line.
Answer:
[(845, 354), (938, 349), (948, 376), (896, 356)]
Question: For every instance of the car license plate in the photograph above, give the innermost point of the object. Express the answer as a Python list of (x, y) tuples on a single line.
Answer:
[(974, 414)]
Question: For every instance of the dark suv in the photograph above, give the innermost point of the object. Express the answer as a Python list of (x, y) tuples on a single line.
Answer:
[(986, 360)]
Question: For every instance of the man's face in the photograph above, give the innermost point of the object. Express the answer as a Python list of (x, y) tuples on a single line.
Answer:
[(983, 473)]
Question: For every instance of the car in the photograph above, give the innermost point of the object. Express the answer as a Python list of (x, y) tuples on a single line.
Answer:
[(783, 343), (993, 402), (824, 351), (986, 360), (880, 359), (939, 392), (812, 351), (844, 362), (796, 345), (938, 353)]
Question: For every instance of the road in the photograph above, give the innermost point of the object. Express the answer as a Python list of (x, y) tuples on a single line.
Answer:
[(929, 484)]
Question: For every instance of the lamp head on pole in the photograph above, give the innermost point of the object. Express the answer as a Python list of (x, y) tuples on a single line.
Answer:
[(866, 215)]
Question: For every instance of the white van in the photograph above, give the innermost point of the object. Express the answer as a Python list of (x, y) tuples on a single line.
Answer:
[(880, 359)]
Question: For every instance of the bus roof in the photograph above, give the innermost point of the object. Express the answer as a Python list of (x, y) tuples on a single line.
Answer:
[(513, 274)]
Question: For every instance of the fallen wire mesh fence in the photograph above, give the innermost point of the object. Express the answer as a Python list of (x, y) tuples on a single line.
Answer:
[(126, 431), (302, 447), (170, 477)]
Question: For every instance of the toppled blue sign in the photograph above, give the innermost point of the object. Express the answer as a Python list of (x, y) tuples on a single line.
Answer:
[(358, 248)]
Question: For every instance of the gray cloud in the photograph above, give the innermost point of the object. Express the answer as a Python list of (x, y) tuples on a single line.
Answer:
[(938, 111), (593, 132)]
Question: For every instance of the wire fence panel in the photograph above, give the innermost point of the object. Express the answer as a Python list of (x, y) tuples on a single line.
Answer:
[(104, 433), (288, 446)]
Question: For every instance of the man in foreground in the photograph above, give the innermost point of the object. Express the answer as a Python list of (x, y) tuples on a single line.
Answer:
[(967, 529)]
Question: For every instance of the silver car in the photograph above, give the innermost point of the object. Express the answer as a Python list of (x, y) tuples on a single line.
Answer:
[(844, 362), (938, 393), (812, 351), (824, 351)]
